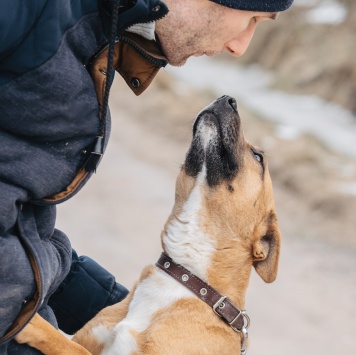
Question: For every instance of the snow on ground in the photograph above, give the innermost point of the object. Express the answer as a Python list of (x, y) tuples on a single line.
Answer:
[(330, 12)]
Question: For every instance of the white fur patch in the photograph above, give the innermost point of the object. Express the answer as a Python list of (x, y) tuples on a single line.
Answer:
[(102, 334), (207, 132), (156, 292), (185, 242)]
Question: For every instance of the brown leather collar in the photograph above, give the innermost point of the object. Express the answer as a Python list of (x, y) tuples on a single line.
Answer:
[(221, 305)]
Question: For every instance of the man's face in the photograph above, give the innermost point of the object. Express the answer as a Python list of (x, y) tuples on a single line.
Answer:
[(202, 27)]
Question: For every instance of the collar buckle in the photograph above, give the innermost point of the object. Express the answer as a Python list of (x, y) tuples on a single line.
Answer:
[(219, 304)]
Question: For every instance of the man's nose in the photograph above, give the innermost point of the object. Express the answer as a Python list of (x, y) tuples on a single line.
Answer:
[(238, 46)]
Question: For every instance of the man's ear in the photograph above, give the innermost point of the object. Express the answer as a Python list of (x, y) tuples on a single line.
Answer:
[(266, 252)]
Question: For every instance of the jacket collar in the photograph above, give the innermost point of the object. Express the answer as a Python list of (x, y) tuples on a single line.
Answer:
[(132, 12)]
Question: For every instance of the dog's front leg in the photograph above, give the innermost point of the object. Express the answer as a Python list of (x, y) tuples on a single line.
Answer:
[(42, 336)]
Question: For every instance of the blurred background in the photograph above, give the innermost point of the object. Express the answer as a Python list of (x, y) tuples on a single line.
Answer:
[(296, 93)]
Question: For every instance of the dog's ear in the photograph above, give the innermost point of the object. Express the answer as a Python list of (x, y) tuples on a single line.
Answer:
[(266, 251)]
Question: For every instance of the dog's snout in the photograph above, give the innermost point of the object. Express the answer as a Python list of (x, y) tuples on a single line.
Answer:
[(223, 110)]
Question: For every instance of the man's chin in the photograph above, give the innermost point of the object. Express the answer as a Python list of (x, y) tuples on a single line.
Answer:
[(177, 62), (176, 59)]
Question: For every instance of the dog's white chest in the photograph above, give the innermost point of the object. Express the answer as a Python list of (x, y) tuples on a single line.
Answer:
[(156, 292)]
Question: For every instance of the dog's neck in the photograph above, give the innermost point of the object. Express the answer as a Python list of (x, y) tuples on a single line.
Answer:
[(185, 242)]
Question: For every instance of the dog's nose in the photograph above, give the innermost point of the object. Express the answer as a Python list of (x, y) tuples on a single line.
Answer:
[(233, 103), (230, 101)]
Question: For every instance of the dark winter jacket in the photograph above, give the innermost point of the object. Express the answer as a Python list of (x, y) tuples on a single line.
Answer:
[(53, 65)]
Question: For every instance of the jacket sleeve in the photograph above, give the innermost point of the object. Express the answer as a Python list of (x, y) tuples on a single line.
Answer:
[(17, 17)]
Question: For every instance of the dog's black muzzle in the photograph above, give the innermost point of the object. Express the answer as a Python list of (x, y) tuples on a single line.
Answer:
[(225, 111), (220, 154)]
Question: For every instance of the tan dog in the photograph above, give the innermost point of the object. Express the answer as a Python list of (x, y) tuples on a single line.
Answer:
[(223, 223)]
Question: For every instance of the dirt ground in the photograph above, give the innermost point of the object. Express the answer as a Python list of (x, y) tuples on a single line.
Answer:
[(118, 217)]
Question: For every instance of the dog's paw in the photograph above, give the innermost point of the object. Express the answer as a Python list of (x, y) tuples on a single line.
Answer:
[(25, 335)]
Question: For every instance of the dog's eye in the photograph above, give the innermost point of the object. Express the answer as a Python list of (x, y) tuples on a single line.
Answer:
[(258, 157)]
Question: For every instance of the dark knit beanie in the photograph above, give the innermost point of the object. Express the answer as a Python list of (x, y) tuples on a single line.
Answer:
[(257, 5)]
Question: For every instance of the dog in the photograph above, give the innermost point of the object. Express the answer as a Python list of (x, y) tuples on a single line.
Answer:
[(223, 224)]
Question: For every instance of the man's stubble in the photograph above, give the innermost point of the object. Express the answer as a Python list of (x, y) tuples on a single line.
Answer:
[(183, 34)]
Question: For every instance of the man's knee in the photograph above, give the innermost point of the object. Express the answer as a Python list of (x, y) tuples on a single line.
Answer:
[(87, 289)]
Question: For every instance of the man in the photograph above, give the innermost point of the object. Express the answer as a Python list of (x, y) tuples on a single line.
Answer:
[(56, 68)]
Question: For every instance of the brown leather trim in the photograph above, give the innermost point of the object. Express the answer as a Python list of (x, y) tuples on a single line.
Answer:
[(224, 309), (149, 47), (135, 61), (132, 67), (97, 72), (81, 175), (29, 309)]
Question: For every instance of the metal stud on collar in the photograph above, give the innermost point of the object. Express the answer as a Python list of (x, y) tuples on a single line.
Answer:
[(185, 277), (203, 291)]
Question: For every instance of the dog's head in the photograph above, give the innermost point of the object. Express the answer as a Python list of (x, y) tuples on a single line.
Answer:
[(230, 179)]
